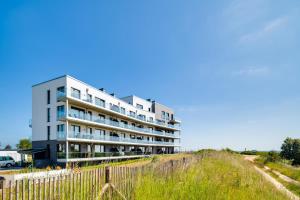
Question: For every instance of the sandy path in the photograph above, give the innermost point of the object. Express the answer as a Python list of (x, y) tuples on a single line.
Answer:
[(272, 180)]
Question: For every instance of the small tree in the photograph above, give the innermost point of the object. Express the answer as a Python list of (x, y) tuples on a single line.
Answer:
[(7, 147), (272, 156), (287, 149), (24, 144), (290, 150)]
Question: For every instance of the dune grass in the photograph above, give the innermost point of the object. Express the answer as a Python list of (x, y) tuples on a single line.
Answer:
[(290, 171), (216, 175)]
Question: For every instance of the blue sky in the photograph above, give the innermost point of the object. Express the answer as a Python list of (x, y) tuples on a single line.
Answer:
[(229, 68)]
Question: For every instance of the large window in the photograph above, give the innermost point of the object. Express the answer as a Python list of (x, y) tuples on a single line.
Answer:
[(89, 98), (48, 96), (75, 147), (60, 112), (99, 102), (99, 148), (151, 119), (75, 93), (60, 128), (60, 92), (163, 114), (100, 132), (132, 114), (75, 129), (123, 110), (89, 116), (139, 106), (61, 147), (48, 114), (142, 117), (77, 113)]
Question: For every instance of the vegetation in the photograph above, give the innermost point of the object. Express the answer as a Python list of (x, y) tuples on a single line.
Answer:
[(290, 150), (216, 175), (24, 144), (8, 147)]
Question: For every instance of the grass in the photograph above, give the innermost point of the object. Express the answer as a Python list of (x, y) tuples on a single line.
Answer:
[(290, 171), (217, 175), (283, 168), (206, 175)]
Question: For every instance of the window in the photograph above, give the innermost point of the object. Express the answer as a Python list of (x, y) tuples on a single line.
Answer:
[(151, 119), (142, 117), (48, 132), (75, 147), (75, 93), (163, 114), (122, 110), (77, 113), (132, 114), (99, 102), (100, 132), (60, 128), (61, 148), (61, 89), (89, 98), (60, 112), (99, 148), (139, 106), (48, 114), (89, 116), (48, 96), (60, 92), (75, 129), (114, 108), (168, 116), (90, 130)]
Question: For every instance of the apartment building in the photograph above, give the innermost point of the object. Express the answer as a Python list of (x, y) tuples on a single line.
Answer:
[(73, 122)]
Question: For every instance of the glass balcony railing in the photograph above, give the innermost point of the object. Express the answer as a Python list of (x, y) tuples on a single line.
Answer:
[(89, 136), (82, 116), (115, 108), (72, 155)]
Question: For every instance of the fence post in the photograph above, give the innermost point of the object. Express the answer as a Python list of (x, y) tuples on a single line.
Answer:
[(107, 174), (2, 179)]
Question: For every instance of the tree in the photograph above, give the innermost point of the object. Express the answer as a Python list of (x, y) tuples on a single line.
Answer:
[(290, 150), (272, 156), (24, 144), (7, 147), (287, 149)]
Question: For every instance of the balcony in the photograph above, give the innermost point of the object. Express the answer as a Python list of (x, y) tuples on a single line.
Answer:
[(109, 122), (75, 155), (114, 108), (89, 136)]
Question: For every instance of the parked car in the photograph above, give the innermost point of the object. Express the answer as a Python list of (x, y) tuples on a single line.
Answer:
[(6, 161)]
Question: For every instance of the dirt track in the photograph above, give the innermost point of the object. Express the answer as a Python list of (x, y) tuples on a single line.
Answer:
[(272, 180)]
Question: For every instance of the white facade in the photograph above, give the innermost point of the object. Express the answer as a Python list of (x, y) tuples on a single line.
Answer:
[(86, 123)]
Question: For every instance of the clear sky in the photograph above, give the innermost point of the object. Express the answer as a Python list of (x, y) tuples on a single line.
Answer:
[(231, 69)]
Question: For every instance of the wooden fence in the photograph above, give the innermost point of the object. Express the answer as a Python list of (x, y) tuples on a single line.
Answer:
[(102, 183)]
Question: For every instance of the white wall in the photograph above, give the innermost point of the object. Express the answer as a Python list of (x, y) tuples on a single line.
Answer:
[(71, 82), (39, 109)]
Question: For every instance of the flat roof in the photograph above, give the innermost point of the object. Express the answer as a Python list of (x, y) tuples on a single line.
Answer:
[(49, 80)]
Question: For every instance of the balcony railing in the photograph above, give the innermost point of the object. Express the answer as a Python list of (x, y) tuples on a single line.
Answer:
[(115, 108), (83, 116), (89, 136), (62, 155)]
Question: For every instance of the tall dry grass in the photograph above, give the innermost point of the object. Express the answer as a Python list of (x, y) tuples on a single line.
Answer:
[(210, 175)]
